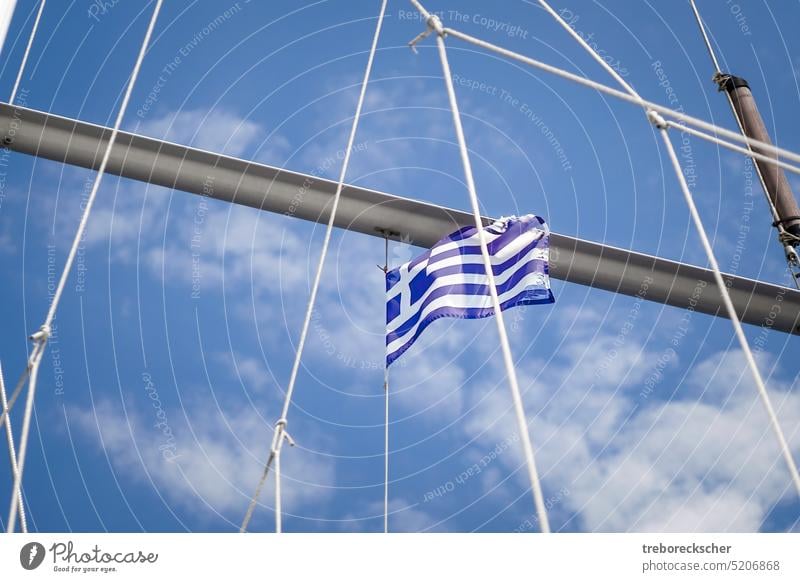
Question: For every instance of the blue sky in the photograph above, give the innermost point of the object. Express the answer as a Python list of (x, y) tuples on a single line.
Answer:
[(173, 345)]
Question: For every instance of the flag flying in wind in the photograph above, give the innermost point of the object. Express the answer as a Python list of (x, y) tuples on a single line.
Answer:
[(450, 279)]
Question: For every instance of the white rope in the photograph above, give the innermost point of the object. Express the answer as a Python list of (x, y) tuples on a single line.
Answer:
[(276, 451), (682, 127), (16, 491), (16, 393), (27, 53), (733, 147), (579, 39), (663, 127), (280, 428), (710, 127), (707, 40), (12, 453), (273, 453), (278, 508), (40, 337), (522, 423), (726, 299)]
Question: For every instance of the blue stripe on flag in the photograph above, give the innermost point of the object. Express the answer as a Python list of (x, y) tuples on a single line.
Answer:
[(532, 267), (527, 297), (409, 293)]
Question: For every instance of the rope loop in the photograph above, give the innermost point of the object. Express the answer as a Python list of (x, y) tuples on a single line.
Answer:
[(280, 435), (434, 25)]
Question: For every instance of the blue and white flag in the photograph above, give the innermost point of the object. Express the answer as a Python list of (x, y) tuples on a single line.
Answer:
[(450, 279)]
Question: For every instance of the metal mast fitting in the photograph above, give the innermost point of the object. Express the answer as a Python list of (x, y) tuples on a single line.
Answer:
[(782, 204), (775, 182)]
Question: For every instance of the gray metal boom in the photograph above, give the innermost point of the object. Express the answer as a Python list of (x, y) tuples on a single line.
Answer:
[(371, 212)]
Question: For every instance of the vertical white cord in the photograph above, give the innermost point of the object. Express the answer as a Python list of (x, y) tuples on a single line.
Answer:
[(12, 453), (281, 427), (386, 451), (27, 53), (386, 415), (723, 289), (519, 409), (278, 507), (40, 337)]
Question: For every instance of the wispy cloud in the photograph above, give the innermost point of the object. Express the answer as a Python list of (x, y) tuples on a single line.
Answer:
[(217, 130), (703, 461), (203, 459)]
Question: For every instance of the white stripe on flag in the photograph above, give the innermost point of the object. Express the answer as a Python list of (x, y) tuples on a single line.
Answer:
[(458, 279), (465, 301), (533, 285)]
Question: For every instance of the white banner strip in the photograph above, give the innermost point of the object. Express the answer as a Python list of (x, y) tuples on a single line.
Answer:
[(401, 557)]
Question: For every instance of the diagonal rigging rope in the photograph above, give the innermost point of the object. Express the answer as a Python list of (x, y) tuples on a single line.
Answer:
[(435, 25), (12, 453), (749, 152), (21, 382), (15, 394), (726, 298), (280, 433), (663, 127), (40, 337), (623, 96), (27, 53)]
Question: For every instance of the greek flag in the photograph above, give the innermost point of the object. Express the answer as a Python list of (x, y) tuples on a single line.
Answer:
[(450, 279)]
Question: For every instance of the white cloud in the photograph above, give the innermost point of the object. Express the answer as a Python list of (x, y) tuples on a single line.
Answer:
[(212, 461), (706, 461), (218, 130)]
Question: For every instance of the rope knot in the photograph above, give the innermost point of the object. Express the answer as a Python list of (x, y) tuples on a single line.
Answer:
[(787, 238), (656, 119), (42, 335), (435, 24), (280, 435), (721, 79)]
